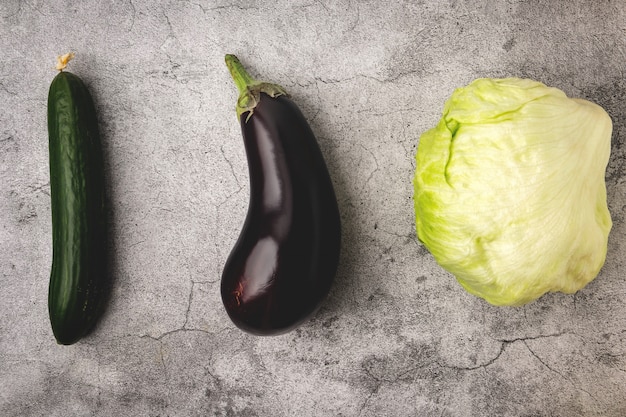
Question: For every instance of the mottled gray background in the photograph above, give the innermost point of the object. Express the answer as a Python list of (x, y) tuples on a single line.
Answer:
[(397, 336)]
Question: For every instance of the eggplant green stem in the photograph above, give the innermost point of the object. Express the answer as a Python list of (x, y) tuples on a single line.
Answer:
[(249, 89), (240, 76)]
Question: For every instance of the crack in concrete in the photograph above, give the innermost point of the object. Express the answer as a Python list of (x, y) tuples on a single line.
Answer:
[(159, 340), (375, 170), (318, 108), (8, 138), (6, 90), (504, 343), (489, 362), (617, 356), (357, 21), (230, 164), (206, 281), (133, 15), (232, 6), (369, 397), (228, 197), (532, 352), (179, 330), (408, 237), (223, 7), (333, 81), (540, 336), (380, 380), (169, 23), (321, 3), (35, 8), (43, 188), (374, 391), (19, 9), (201, 7), (189, 301), (373, 112)]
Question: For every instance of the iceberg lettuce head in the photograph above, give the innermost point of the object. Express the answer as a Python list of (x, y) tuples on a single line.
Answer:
[(510, 194)]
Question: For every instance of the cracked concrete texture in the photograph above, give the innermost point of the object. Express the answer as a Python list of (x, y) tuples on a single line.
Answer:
[(397, 335)]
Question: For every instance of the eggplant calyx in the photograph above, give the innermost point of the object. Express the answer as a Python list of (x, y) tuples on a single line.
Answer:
[(249, 89)]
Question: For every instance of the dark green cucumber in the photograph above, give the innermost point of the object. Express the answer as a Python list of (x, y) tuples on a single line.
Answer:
[(78, 281)]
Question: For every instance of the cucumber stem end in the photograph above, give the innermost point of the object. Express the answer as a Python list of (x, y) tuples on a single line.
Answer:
[(63, 60)]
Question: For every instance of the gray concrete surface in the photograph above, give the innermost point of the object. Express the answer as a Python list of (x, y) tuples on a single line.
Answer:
[(397, 336)]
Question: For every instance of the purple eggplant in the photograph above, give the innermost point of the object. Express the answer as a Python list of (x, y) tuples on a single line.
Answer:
[(285, 260)]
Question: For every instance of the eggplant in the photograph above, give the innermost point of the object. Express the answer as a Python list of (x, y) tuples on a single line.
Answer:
[(284, 262)]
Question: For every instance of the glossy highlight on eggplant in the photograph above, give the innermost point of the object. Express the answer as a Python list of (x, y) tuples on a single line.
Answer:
[(284, 262)]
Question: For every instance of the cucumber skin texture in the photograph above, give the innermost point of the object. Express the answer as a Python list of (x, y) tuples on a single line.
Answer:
[(78, 276)]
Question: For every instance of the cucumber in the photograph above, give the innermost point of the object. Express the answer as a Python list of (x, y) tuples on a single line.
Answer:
[(78, 279)]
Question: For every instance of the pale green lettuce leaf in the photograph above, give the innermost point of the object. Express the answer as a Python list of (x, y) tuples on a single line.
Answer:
[(510, 194)]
